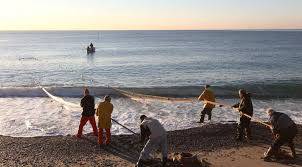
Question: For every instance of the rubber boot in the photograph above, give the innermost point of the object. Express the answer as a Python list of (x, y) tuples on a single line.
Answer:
[(209, 116), (292, 148), (248, 133), (165, 159), (201, 118), (239, 133), (268, 154), (108, 136), (100, 136)]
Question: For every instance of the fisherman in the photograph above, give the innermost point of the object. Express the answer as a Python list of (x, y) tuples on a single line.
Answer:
[(87, 103), (152, 130), (244, 107), (284, 131), (104, 111), (207, 95)]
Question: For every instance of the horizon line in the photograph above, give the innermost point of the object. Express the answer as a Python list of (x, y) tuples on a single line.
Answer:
[(242, 29)]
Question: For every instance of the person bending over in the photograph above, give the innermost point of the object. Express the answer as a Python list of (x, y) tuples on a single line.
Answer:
[(284, 131), (152, 130), (87, 103), (244, 107), (104, 112), (207, 95)]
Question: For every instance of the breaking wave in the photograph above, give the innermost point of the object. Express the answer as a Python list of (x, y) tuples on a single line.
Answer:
[(265, 91)]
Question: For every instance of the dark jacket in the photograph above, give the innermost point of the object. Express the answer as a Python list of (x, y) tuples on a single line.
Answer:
[(245, 106), (280, 122), (87, 103), (145, 133)]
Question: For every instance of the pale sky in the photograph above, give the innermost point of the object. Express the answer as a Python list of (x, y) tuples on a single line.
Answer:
[(149, 14)]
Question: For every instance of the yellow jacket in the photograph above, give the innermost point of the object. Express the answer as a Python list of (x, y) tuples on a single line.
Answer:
[(103, 112), (208, 95)]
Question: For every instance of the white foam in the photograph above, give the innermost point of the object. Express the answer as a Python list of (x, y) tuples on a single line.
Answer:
[(46, 117)]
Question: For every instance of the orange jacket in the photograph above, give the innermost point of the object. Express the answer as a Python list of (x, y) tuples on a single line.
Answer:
[(208, 95), (104, 111)]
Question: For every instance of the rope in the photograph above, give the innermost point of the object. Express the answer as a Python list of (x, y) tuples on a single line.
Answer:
[(235, 109), (124, 126), (131, 95), (62, 101), (138, 95)]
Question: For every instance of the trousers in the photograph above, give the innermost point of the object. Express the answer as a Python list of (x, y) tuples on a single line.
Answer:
[(84, 120), (244, 126), (153, 144), (108, 136), (205, 111)]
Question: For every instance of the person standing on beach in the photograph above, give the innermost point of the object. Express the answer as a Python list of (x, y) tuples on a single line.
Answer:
[(104, 112), (207, 95), (284, 131), (244, 107), (87, 103), (152, 130)]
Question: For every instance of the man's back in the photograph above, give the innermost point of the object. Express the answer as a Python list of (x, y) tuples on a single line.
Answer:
[(208, 95), (87, 103), (104, 110), (154, 126), (280, 121), (246, 105)]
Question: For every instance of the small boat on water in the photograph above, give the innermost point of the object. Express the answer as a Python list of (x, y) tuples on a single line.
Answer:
[(90, 50)]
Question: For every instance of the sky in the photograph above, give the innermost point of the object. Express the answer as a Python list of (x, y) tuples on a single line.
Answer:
[(149, 14)]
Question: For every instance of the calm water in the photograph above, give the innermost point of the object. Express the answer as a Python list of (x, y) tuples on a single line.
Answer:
[(149, 58), (260, 61)]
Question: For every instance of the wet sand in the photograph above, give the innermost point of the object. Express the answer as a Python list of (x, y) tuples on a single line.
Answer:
[(213, 143)]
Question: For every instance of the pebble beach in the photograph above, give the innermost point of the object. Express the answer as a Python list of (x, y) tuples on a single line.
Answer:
[(212, 143)]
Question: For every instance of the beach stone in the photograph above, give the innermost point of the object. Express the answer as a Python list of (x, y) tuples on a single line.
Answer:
[(188, 160)]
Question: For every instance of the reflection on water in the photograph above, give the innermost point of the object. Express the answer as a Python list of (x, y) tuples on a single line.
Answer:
[(90, 58)]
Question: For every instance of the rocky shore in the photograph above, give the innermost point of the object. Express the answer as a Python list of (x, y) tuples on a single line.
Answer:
[(212, 143)]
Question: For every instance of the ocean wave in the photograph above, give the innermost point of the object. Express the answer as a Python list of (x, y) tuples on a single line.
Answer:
[(265, 91)]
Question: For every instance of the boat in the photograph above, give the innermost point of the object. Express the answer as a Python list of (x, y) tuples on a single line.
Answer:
[(90, 50)]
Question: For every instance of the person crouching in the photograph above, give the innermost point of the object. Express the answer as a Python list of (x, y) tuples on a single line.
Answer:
[(157, 138), (284, 131), (104, 112), (87, 103)]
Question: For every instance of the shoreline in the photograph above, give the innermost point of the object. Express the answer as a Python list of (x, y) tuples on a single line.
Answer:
[(213, 143), (282, 90)]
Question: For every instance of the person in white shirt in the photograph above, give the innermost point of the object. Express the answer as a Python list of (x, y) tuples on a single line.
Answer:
[(152, 130)]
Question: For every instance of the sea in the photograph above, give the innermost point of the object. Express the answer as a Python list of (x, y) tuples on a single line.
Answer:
[(267, 63)]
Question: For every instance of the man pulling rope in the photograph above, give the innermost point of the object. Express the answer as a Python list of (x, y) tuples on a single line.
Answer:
[(136, 95), (62, 101)]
